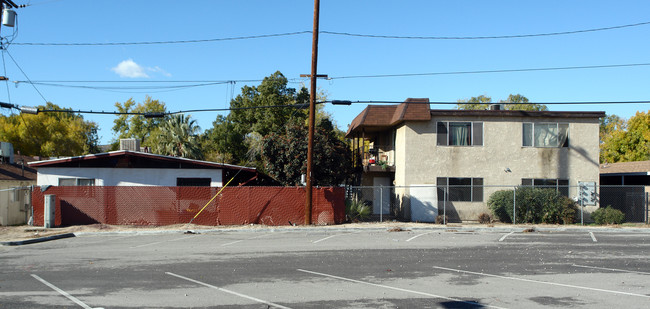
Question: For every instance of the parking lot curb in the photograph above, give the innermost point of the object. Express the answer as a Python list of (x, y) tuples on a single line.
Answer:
[(37, 240), (397, 228)]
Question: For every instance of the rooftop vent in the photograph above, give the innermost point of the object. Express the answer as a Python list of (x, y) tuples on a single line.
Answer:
[(130, 144), (496, 107), (7, 152)]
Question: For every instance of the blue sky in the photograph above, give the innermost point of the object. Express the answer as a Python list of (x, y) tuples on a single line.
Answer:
[(103, 21)]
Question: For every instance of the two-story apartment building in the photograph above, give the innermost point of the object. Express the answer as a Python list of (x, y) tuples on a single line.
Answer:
[(460, 157)]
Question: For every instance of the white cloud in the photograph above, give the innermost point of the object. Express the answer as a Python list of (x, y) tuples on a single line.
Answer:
[(128, 68), (158, 69)]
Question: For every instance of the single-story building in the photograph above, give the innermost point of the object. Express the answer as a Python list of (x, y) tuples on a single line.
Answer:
[(132, 168)]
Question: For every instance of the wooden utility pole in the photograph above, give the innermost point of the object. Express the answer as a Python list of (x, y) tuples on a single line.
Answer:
[(312, 113)]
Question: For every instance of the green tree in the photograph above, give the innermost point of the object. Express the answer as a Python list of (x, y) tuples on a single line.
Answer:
[(622, 141), (224, 142), (483, 103), (475, 103), (50, 133), (179, 137), (263, 118), (254, 114), (284, 155), (137, 126)]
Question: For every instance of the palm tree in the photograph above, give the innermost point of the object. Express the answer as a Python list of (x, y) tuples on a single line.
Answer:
[(179, 137)]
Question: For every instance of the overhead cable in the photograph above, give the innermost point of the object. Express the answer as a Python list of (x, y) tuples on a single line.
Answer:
[(306, 105), (168, 42), (376, 36), (494, 71), (200, 83), (512, 36)]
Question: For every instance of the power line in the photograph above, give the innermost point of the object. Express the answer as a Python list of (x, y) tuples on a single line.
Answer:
[(169, 42), (347, 102), (337, 102), (129, 89), (25, 74), (376, 36), (494, 71), (196, 83), (162, 114), (512, 36), (199, 83)]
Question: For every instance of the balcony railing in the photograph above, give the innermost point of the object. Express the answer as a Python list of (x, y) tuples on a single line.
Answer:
[(377, 158)]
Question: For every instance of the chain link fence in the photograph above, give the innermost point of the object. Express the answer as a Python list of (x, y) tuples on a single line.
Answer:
[(452, 203), (152, 205)]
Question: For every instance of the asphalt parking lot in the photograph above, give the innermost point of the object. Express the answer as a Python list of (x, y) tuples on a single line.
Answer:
[(284, 268)]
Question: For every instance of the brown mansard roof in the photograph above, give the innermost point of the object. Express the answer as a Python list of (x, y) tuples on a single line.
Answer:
[(378, 118), (375, 117)]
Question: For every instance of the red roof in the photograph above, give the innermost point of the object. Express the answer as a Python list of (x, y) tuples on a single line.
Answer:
[(133, 159)]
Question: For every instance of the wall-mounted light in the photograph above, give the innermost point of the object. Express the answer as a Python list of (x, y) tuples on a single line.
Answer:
[(507, 170)]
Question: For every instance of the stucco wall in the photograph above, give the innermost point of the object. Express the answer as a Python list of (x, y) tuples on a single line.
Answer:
[(127, 176), (420, 160)]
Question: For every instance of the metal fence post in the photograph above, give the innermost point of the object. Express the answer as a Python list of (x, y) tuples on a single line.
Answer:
[(514, 206), (381, 203), (582, 206), (444, 208)]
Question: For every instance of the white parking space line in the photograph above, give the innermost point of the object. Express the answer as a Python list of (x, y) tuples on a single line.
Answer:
[(593, 237), (64, 293), (613, 269), (504, 236), (238, 241), (418, 235), (160, 242), (228, 291), (326, 238), (395, 288), (542, 282)]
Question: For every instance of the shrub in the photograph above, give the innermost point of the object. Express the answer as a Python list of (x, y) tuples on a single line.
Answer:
[(569, 211), (484, 218), (534, 205), (500, 203), (608, 215), (357, 210), (442, 219)]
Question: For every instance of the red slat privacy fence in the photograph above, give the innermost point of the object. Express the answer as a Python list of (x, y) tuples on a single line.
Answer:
[(174, 205)]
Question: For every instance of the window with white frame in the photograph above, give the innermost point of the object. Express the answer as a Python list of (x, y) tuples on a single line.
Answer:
[(460, 189), (460, 133), (76, 182), (550, 135), (559, 185)]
